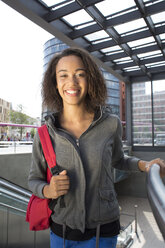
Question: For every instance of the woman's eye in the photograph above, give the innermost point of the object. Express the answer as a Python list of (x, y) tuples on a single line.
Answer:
[(80, 75), (63, 76)]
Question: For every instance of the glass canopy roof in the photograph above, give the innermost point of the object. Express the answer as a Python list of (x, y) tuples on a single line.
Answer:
[(109, 7), (125, 36)]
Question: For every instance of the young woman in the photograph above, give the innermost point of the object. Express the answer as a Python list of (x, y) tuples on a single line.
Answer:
[(87, 142)]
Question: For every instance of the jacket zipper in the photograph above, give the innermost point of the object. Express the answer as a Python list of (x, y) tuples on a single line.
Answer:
[(77, 142), (65, 131)]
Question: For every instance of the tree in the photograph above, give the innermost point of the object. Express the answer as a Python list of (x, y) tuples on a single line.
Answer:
[(32, 132), (19, 117)]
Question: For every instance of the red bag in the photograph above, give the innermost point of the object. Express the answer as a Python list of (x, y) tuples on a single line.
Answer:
[(38, 213)]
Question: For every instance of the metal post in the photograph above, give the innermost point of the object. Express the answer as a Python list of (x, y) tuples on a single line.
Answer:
[(152, 112), (136, 231), (14, 146), (135, 218), (7, 228)]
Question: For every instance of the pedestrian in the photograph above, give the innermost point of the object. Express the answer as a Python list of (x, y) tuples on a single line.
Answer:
[(87, 141)]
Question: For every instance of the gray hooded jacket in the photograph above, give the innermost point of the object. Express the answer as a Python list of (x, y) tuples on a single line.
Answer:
[(91, 199)]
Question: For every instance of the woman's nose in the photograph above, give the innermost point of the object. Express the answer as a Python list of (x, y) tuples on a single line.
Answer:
[(74, 79)]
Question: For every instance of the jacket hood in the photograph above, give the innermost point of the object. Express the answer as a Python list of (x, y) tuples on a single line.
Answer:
[(101, 112)]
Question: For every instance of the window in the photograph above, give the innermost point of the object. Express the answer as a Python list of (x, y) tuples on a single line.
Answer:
[(159, 112), (141, 113), (148, 121)]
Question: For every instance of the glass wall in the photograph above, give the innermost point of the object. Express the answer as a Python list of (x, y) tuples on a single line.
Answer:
[(159, 112), (50, 48), (148, 113), (113, 92)]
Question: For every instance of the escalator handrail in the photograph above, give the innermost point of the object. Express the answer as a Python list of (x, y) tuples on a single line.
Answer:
[(156, 196), (14, 187), (11, 207), (17, 196)]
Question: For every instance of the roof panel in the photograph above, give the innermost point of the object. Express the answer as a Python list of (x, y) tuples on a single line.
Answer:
[(78, 17), (162, 36), (129, 26), (151, 65), (140, 41), (160, 17), (151, 2), (133, 68), (101, 40), (110, 49), (50, 3), (97, 35), (109, 7), (149, 44), (115, 52), (83, 25), (149, 54), (122, 60)]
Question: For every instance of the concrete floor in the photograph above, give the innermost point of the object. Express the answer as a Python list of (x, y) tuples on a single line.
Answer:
[(148, 231)]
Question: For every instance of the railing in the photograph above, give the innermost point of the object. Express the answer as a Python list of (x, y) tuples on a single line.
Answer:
[(7, 147), (8, 207), (10, 187), (13, 197), (14, 230), (156, 196)]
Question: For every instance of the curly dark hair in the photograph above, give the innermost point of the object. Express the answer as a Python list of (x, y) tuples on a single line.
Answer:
[(97, 92)]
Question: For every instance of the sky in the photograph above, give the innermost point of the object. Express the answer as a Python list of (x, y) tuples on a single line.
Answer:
[(21, 60)]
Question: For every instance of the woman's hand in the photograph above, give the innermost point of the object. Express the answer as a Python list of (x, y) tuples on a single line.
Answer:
[(59, 185), (146, 165)]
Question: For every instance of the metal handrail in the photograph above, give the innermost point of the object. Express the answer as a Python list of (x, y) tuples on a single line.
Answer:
[(11, 196), (26, 142), (13, 208), (156, 196), (10, 193), (14, 187)]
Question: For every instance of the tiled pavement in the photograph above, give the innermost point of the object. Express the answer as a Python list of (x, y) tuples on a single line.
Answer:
[(147, 229)]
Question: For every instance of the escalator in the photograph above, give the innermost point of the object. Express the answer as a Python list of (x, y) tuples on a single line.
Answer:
[(13, 197), (14, 231)]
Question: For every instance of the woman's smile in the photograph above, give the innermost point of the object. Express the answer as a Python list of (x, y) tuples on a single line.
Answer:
[(72, 92)]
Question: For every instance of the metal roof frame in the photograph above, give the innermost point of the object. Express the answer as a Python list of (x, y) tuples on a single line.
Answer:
[(53, 19)]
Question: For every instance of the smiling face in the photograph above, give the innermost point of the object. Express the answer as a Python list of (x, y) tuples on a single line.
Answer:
[(71, 80)]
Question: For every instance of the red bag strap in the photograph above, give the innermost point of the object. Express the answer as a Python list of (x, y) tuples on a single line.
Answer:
[(50, 155), (47, 147)]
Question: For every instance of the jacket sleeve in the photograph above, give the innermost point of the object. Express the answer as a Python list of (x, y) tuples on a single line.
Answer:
[(119, 160), (38, 171)]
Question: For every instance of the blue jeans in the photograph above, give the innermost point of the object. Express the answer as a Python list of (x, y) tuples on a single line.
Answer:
[(57, 242)]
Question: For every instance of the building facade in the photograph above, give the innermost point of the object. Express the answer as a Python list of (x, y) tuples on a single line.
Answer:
[(5, 107)]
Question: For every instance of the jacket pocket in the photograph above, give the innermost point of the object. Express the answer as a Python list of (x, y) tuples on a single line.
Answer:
[(108, 204)]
